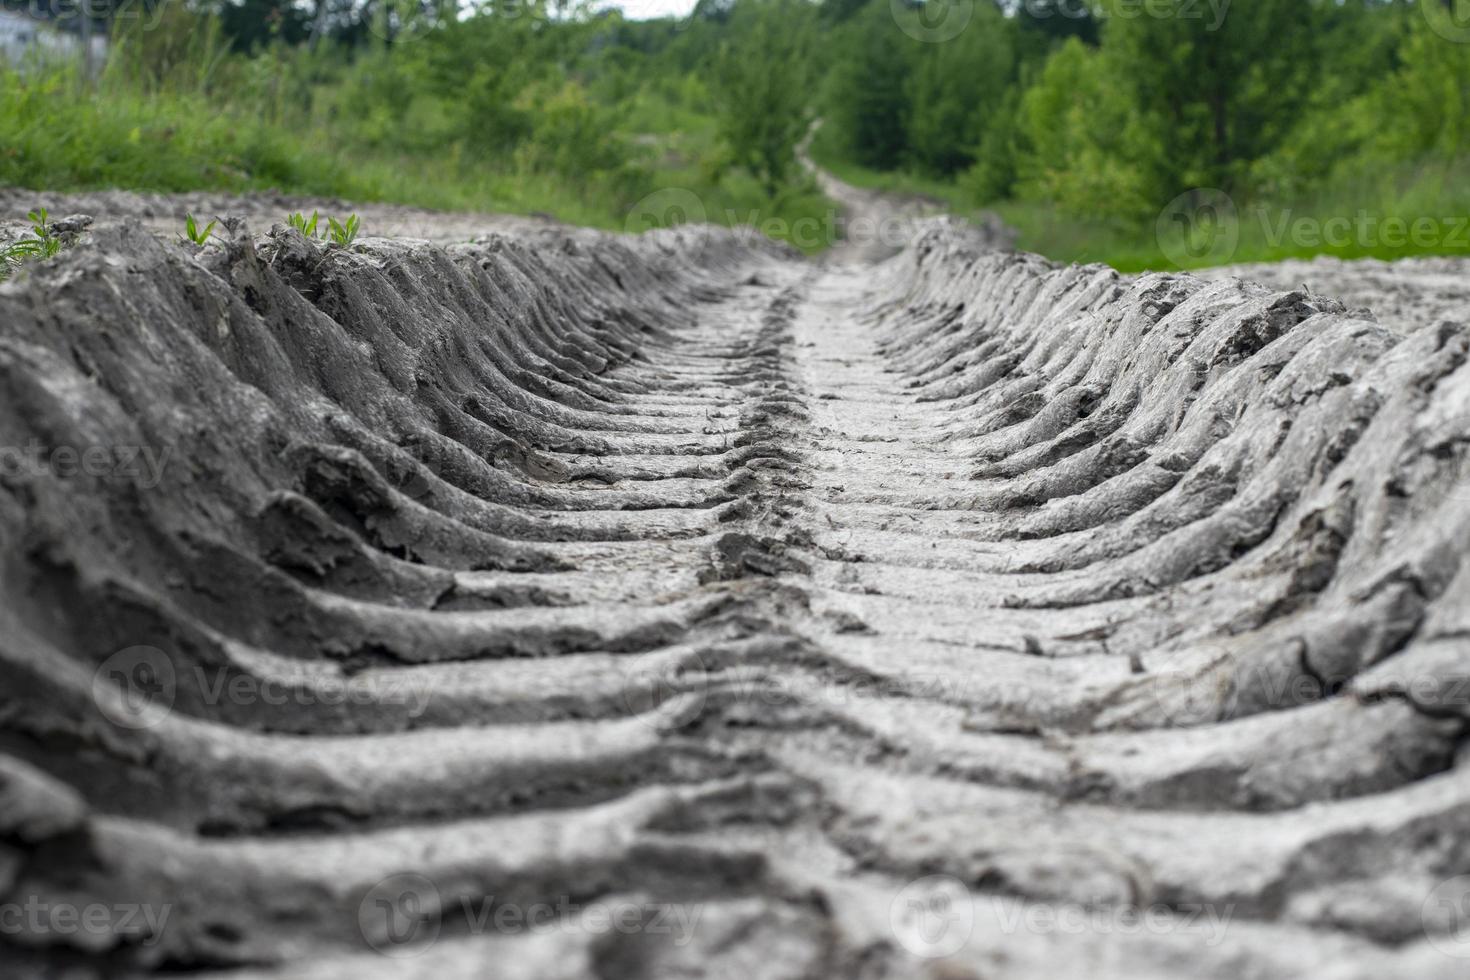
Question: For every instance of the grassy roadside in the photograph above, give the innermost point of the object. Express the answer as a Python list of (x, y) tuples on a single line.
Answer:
[(827, 156), (57, 135), (1385, 213), (1390, 213), (54, 135)]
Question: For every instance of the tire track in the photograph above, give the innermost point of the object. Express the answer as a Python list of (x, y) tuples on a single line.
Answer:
[(941, 618)]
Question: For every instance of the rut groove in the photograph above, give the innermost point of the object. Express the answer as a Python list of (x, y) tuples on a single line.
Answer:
[(566, 569)]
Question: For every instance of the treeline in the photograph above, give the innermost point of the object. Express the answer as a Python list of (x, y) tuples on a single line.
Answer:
[(1111, 108), (1107, 108)]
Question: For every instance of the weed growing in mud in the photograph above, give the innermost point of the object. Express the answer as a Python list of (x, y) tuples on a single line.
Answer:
[(194, 233), (336, 232), (13, 254), (301, 223), (344, 234), (43, 244), (49, 244)]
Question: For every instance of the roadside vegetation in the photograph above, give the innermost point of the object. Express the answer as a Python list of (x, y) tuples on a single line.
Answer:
[(1103, 130), (1153, 135), (511, 108)]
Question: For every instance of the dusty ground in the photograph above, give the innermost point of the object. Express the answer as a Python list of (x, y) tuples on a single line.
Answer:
[(565, 605), (164, 213), (1406, 294)]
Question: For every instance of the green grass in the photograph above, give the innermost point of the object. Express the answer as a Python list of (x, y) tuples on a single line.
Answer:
[(1368, 203), (1371, 216), (1040, 228), (51, 137), (55, 137), (196, 233), (343, 232), (827, 155)]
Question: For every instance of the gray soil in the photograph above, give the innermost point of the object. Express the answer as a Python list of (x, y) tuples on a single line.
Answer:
[(164, 213), (1404, 295), (961, 615)]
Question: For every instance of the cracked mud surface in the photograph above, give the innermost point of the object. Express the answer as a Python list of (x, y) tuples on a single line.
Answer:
[(813, 614)]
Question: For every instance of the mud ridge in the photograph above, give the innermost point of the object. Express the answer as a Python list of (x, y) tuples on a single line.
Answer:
[(578, 571)]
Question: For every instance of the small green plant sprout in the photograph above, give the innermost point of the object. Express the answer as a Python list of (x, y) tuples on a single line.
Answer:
[(344, 234), (49, 244), (43, 245), (194, 233), (302, 224)]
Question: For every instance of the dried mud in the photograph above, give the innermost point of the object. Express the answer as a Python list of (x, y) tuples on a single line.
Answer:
[(819, 613)]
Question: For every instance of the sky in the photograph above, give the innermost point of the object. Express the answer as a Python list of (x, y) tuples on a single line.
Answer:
[(641, 9)]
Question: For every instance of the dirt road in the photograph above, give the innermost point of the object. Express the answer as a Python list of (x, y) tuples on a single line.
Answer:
[(567, 605)]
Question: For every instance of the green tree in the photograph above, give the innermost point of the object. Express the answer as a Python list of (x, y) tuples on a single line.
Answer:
[(1179, 95), (957, 88), (1423, 109), (868, 104), (840, 11), (1086, 147), (1219, 85), (1057, 20), (760, 83), (1354, 105), (993, 176)]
